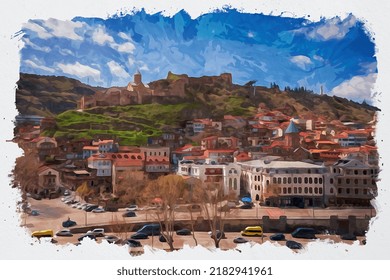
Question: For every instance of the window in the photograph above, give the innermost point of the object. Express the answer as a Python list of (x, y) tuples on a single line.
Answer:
[(348, 190), (331, 181), (356, 172), (279, 180), (300, 190), (274, 180), (356, 191), (315, 180), (284, 180), (365, 181), (364, 172), (289, 180), (320, 190), (267, 182), (289, 190), (348, 181), (310, 190), (356, 181), (320, 181), (331, 190), (299, 180), (316, 190), (295, 189), (306, 190), (340, 190), (310, 180), (365, 191), (284, 190), (306, 180)]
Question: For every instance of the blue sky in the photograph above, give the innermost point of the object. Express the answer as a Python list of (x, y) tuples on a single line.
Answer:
[(336, 53)]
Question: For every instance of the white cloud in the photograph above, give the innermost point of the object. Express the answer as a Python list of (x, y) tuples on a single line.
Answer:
[(117, 70), (334, 28), (35, 46), (33, 64), (124, 36), (38, 29), (64, 29), (301, 61), (80, 70), (357, 88), (126, 47), (55, 28), (100, 37)]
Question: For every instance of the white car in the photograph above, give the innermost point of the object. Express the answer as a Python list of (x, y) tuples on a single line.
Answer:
[(96, 232), (64, 232), (98, 210), (132, 208)]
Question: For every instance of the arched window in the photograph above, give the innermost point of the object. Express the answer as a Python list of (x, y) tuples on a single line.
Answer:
[(316, 190), (289, 180), (306, 180), (315, 180), (306, 190), (274, 180), (284, 191), (331, 180), (279, 180), (235, 184), (295, 189), (284, 180), (300, 189), (310, 180), (320, 180), (289, 190), (299, 180), (295, 180)]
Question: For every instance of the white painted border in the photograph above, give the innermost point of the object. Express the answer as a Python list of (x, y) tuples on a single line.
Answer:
[(15, 242)]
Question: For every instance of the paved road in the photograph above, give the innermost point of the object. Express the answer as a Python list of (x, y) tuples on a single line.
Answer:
[(54, 211)]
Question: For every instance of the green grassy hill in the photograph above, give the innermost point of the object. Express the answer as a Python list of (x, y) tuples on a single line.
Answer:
[(58, 96)]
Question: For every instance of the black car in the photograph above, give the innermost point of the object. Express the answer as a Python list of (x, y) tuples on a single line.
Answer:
[(112, 239), (183, 231), (129, 214), (68, 223), (277, 237), (307, 233), (246, 206), (91, 207), (348, 236), (220, 234), (139, 235), (150, 229), (162, 239), (133, 243), (240, 240), (293, 244), (88, 235)]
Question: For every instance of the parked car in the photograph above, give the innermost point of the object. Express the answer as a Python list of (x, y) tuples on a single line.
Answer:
[(240, 240), (34, 213), (252, 231), (112, 239), (98, 210), (42, 233), (132, 207), (133, 243), (139, 235), (307, 233), (67, 192), (348, 236), (99, 232), (184, 231), (162, 239), (87, 235), (293, 244), (129, 214), (64, 232), (277, 237), (69, 223), (150, 229), (91, 207), (246, 206), (219, 234)]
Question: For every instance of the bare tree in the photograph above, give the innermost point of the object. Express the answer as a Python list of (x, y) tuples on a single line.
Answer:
[(212, 197), (168, 190), (25, 173), (130, 187)]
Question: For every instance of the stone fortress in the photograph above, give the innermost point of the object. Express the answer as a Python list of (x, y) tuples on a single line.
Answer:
[(136, 92)]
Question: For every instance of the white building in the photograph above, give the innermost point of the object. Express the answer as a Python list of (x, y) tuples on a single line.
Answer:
[(226, 176), (351, 182), (279, 183)]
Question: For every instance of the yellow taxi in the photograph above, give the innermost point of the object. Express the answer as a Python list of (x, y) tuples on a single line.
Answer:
[(252, 231)]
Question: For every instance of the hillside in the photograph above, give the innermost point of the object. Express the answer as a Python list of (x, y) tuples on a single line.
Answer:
[(48, 95), (204, 98)]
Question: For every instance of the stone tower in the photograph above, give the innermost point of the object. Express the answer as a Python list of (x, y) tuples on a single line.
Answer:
[(137, 78)]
